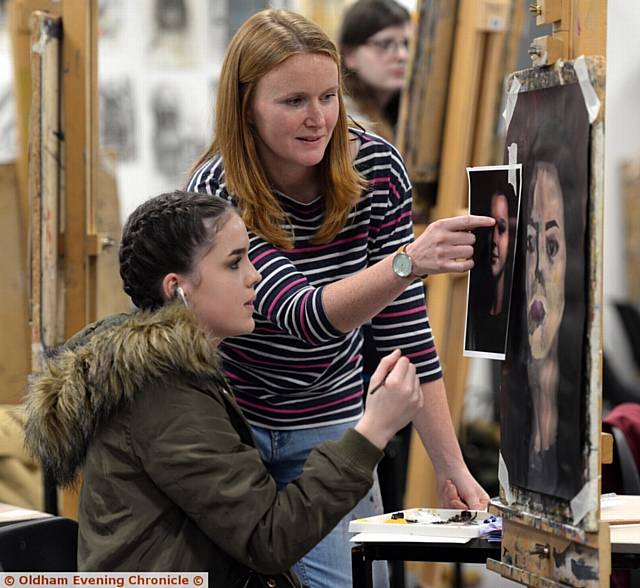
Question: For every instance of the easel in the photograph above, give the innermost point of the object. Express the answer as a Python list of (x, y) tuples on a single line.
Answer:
[(536, 549), (463, 51), (56, 87), (73, 94)]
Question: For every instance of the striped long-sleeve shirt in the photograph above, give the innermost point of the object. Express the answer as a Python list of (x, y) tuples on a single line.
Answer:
[(296, 369)]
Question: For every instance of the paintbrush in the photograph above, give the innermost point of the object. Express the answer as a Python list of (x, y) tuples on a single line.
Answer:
[(378, 385)]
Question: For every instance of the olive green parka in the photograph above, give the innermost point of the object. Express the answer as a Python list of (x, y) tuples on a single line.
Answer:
[(172, 478)]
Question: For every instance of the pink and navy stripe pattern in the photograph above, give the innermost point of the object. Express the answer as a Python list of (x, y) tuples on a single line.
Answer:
[(296, 370)]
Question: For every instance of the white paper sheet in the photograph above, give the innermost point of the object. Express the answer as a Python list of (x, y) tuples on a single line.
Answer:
[(393, 538)]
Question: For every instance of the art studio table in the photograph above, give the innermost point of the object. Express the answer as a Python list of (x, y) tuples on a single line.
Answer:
[(10, 514), (364, 554), (625, 554)]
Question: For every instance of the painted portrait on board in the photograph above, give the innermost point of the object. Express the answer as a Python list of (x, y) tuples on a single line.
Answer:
[(493, 191), (543, 383)]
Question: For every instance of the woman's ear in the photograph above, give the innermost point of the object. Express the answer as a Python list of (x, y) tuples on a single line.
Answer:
[(349, 58), (250, 119)]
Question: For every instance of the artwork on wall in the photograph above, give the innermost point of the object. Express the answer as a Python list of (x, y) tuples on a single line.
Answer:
[(176, 140), (241, 10), (3, 14), (117, 118), (8, 138), (218, 25), (110, 18), (550, 394), (172, 33), (493, 191)]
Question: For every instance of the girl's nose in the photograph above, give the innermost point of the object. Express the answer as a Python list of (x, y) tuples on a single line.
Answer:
[(256, 277)]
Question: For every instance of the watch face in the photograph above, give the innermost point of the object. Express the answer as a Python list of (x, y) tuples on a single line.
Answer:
[(402, 265)]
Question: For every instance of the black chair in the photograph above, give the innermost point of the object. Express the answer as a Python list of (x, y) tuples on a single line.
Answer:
[(630, 319), (614, 390), (41, 545), (628, 466)]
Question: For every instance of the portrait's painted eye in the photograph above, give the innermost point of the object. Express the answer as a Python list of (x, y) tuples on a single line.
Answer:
[(531, 244), (552, 247)]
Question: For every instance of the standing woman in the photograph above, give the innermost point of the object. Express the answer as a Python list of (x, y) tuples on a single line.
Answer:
[(374, 43), (329, 214)]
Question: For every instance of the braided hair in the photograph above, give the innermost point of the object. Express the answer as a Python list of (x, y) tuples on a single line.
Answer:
[(164, 235)]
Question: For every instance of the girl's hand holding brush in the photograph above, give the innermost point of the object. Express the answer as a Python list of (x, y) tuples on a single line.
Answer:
[(394, 398)]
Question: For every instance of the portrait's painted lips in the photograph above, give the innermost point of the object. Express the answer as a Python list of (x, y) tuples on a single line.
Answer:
[(536, 312)]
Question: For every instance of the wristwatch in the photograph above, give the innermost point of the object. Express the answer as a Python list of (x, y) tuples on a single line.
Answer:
[(402, 264)]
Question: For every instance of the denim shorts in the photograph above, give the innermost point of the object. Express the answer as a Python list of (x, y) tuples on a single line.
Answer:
[(328, 564)]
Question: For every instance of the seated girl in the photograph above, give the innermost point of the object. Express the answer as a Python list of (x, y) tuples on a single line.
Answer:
[(138, 402)]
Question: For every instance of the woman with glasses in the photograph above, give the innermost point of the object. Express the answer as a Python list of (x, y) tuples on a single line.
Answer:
[(374, 43)]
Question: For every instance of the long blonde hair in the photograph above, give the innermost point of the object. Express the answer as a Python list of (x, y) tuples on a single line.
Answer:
[(264, 41)]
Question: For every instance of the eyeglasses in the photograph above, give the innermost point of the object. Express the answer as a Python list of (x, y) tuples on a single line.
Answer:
[(389, 45)]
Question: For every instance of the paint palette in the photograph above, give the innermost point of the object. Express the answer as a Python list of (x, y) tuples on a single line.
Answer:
[(434, 522)]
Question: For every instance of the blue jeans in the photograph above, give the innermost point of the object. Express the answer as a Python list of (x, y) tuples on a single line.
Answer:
[(328, 564)]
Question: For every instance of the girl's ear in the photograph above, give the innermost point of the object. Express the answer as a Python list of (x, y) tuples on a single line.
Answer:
[(169, 284)]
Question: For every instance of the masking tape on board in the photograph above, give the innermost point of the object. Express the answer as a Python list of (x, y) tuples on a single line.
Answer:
[(584, 501), (591, 100), (512, 99), (40, 45), (503, 478), (512, 154)]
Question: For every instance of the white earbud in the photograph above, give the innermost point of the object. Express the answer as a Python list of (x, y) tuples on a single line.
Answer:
[(179, 292)]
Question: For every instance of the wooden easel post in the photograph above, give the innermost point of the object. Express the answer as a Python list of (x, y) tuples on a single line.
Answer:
[(579, 27), (80, 119), (477, 69), (44, 184), (536, 553), (19, 14), (79, 244), (80, 105), (77, 165)]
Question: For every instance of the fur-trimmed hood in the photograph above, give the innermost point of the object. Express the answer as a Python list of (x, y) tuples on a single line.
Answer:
[(99, 370)]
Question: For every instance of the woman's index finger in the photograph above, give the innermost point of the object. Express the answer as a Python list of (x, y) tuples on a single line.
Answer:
[(468, 222)]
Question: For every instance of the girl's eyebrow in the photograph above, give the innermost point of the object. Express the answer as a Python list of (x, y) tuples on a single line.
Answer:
[(239, 251)]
